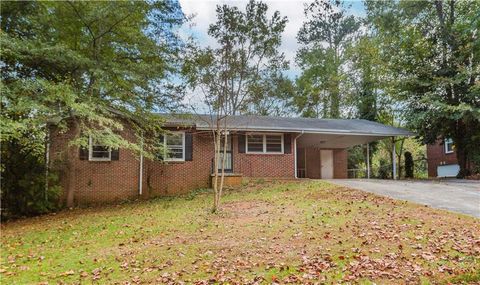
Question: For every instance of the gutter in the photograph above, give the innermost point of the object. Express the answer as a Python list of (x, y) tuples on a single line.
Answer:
[(318, 131), (295, 153)]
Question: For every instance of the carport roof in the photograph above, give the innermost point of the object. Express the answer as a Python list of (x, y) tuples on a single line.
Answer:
[(295, 125)]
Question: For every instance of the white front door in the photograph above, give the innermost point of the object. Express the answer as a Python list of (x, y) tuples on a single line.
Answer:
[(326, 160)]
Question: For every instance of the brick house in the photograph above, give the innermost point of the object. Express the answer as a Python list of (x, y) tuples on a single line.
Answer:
[(259, 147), (442, 159)]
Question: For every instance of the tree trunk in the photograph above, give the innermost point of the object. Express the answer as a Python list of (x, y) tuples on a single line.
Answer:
[(462, 158), (391, 157), (222, 179), (216, 199), (335, 98), (72, 153)]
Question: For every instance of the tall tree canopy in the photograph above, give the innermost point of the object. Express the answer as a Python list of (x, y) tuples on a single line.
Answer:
[(247, 63), (79, 59), (433, 51), (243, 74), (73, 63), (324, 36)]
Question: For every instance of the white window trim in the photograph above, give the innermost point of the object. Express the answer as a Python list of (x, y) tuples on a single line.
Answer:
[(264, 143), (446, 142), (90, 152), (165, 158)]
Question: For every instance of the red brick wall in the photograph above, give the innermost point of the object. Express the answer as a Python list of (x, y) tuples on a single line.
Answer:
[(340, 163), (180, 177), (436, 156), (313, 163), (263, 165), (96, 182)]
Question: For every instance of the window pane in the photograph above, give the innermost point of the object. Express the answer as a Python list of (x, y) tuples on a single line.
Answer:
[(174, 146), (229, 143), (228, 161), (255, 143), (449, 145), (100, 151), (274, 143), (174, 139), (175, 152)]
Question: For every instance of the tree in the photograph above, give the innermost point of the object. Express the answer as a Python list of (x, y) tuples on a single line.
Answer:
[(324, 37), (433, 50), (366, 77), (72, 63), (234, 76)]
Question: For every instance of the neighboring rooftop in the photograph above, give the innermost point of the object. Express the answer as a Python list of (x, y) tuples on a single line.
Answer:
[(296, 125)]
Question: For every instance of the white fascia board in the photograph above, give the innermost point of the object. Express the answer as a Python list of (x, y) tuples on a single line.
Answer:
[(311, 131)]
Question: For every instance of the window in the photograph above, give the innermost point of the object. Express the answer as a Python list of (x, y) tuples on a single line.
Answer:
[(98, 152), (228, 154), (264, 143), (174, 146), (448, 145), (255, 143), (274, 143)]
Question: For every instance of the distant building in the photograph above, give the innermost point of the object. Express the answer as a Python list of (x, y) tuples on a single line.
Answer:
[(442, 159)]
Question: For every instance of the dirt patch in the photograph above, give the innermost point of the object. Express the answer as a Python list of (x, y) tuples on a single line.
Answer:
[(246, 211)]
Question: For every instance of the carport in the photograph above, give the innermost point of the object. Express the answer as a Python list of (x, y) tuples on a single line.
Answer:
[(318, 149)]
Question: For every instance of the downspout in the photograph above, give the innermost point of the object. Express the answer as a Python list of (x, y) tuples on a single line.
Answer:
[(140, 175), (295, 153)]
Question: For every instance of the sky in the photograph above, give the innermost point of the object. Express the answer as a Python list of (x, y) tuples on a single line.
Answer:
[(204, 11)]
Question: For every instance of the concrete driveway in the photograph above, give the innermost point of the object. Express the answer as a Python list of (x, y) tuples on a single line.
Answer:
[(462, 196)]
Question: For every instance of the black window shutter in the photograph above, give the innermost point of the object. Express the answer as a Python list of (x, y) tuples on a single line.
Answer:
[(188, 147), (241, 143), (83, 153), (115, 154), (287, 143)]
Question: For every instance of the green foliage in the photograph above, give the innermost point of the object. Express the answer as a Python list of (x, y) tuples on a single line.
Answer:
[(356, 156), (325, 36), (384, 171), (433, 51), (82, 65), (24, 192), (79, 60), (244, 74)]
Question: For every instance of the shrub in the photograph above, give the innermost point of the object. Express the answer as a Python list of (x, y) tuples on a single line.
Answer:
[(408, 165), (23, 191), (384, 169)]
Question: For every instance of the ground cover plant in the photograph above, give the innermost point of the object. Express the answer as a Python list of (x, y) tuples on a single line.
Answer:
[(282, 232)]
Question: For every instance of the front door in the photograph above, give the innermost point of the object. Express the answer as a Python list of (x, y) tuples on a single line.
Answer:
[(228, 156), (326, 163)]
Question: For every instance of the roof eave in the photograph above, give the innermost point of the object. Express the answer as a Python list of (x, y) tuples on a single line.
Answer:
[(313, 131)]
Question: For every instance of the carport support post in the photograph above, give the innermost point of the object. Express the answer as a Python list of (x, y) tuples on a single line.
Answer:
[(394, 160), (368, 161)]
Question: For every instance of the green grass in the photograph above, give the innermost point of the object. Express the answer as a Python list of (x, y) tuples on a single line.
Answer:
[(291, 231)]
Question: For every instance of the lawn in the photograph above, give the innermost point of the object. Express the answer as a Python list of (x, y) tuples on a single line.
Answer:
[(283, 232)]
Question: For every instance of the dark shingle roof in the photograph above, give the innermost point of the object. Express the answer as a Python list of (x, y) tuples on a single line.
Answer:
[(278, 124)]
